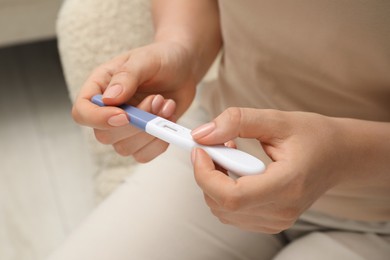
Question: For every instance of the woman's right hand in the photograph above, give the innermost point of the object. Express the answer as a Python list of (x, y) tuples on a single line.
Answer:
[(157, 78)]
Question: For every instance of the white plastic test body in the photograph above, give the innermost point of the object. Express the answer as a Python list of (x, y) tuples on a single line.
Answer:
[(233, 160)]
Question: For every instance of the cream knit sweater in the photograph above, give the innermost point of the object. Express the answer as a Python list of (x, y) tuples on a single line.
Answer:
[(91, 32)]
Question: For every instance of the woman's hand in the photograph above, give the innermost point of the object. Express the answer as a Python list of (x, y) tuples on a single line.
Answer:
[(157, 78), (311, 153)]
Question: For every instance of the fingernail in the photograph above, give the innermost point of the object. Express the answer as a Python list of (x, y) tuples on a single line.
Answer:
[(157, 102), (113, 91), (230, 144), (118, 120), (168, 108), (203, 130)]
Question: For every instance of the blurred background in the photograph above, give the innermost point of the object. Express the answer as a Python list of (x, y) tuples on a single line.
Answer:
[(45, 171)]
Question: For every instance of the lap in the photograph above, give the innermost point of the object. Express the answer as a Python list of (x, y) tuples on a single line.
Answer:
[(159, 213), (337, 245)]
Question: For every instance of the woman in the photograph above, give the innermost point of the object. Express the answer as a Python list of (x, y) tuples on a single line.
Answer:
[(326, 190)]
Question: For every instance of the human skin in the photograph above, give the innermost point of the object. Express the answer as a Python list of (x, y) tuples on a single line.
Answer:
[(160, 78), (310, 154)]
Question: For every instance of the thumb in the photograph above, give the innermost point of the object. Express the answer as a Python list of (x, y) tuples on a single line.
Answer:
[(127, 78), (262, 124)]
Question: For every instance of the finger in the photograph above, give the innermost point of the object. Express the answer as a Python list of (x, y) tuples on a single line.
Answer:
[(243, 122), (165, 108), (121, 119), (129, 140), (100, 77), (114, 135), (231, 144), (245, 192), (136, 70), (145, 147), (214, 183), (129, 146), (142, 146), (150, 151), (86, 113), (168, 110), (156, 104)]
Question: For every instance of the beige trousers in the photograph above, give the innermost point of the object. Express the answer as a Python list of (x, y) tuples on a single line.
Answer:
[(159, 213)]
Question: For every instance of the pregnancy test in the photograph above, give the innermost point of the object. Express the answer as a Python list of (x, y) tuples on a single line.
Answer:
[(233, 160)]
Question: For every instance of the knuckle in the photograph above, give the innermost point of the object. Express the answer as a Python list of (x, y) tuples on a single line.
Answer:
[(234, 114), (150, 151), (121, 75), (273, 113), (98, 70), (121, 149), (223, 220), (163, 148), (97, 74), (123, 72), (77, 116), (290, 214), (103, 137), (219, 215), (142, 158)]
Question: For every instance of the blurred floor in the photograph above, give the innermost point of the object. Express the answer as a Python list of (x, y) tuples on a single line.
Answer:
[(45, 172)]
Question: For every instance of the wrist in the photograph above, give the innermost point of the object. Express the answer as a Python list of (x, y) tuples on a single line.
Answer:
[(364, 150), (199, 55), (192, 24)]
